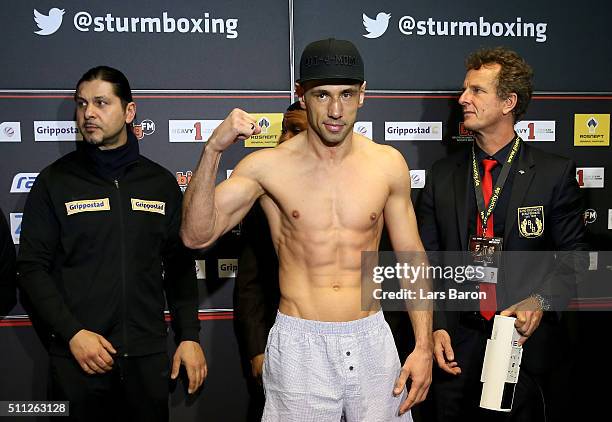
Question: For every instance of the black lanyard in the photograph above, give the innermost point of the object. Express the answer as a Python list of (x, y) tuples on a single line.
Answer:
[(497, 189)]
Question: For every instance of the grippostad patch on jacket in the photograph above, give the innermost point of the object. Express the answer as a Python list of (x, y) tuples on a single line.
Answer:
[(87, 205), (158, 207)]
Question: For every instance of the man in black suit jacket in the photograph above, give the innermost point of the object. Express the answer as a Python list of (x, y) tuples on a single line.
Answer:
[(540, 188)]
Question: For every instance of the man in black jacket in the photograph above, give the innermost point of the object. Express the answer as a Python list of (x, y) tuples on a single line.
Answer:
[(7, 268), (99, 248), (538, 207)]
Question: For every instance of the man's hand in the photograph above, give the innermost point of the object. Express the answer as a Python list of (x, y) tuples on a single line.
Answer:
[(257, 367), (190, 354), (444, 354), (418, 369), (237, 126), (528, 316), (92, 352)]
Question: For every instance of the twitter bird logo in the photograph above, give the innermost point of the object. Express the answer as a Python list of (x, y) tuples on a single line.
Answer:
[(376, 27), (48, 24)]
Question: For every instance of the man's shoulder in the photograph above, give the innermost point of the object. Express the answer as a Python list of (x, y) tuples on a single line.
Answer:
[(157, 174), (154, 167), (63, 164), (458, 156), (380, 151), (541, 157)]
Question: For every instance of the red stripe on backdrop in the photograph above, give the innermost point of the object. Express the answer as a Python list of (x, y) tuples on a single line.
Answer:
[(259, 96), (24, 321)]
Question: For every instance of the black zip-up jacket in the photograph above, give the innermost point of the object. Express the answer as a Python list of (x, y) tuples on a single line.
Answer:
[(98, 254)]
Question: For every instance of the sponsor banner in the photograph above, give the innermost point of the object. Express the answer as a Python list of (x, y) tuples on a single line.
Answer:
[(15, 218), (536, 130), (590, 216), (593, 258), (56, 131), (10, 132), (200, 265), (590, 177), (148, 206), (271, 125), (191, 130), (364, 128), (15, 222), (417, 178), (87, 205), (413, 131), (166, 22), (144, 128), (183, 178), (375, 25), (464, 134), (592, 130), (22, 182), (227, 268)]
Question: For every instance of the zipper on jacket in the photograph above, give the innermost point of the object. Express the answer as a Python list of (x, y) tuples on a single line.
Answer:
[(123, 283)]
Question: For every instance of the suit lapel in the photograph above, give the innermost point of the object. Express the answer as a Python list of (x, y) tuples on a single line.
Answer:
[(525, 171), (462, 180)]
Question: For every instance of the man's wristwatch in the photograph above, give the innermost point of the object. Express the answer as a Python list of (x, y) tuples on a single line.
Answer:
[(542, 301)]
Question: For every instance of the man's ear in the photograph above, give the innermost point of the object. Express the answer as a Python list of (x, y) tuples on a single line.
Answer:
[(299, 90), (510, 103), (362, 89), (130, 112)]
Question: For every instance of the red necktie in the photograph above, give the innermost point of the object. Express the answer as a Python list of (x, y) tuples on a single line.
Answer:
[(488, 306)]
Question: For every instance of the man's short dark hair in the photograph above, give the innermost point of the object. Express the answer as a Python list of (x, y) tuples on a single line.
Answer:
[(295, 106), (515, 75), (121, 86)]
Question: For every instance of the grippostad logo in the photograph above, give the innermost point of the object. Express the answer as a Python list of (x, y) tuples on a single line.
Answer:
[(376, 27), (50, 23)]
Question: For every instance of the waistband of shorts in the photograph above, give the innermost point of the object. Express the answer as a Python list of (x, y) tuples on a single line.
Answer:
[(286, 322)]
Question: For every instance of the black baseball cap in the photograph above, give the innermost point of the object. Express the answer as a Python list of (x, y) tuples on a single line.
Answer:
[(331, 59)]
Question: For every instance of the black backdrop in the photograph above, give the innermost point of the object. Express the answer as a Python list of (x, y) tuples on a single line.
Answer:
[(244, 57)]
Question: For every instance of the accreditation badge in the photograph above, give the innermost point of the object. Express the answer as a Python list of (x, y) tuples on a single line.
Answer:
[(531, 221), (486, 254)]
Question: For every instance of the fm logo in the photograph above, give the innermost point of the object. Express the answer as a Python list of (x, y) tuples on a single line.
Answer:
[(144, 128)]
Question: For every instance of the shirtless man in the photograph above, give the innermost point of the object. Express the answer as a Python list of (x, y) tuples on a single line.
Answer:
[(326, 193)]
